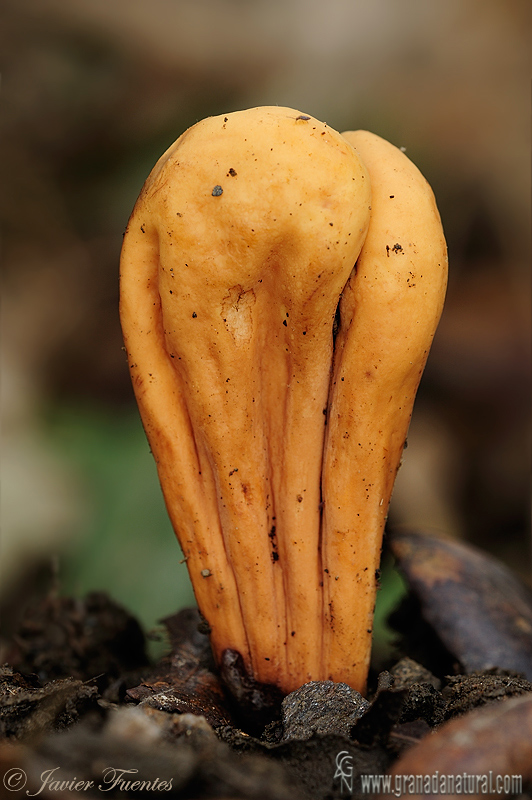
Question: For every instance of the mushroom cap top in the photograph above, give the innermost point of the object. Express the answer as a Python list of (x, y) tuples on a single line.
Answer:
[(256, 187)]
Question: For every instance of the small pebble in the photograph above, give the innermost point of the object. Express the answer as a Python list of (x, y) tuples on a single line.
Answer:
[(407, 672), (322, 707)]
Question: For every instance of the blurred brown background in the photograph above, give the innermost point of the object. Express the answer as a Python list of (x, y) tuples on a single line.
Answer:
[(93, 92)]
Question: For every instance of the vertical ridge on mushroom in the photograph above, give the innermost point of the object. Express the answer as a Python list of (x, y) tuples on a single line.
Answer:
[(389, 313), (237, 253)]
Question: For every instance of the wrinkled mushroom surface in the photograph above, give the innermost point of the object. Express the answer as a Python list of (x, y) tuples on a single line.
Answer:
[(276, 445)]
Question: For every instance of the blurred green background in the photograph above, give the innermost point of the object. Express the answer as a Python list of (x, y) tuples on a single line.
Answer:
[(93, 92)]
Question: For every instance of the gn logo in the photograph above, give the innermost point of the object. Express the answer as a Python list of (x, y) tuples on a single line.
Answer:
[(344, 771)]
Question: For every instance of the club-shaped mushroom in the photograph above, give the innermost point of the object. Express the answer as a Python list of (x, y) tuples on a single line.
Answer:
[(277, 313)]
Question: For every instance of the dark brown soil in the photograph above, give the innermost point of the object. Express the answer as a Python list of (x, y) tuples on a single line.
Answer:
[(83, 712)]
